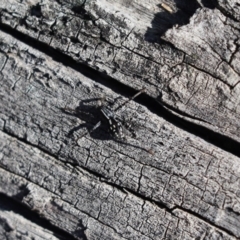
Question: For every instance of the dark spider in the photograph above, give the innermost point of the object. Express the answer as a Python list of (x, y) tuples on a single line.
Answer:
[(108, 117)]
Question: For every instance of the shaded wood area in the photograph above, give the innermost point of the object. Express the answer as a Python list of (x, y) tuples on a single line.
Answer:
[(177, 177)]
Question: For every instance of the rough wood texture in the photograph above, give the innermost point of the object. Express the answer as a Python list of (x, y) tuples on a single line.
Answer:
[(11, 227), (122, 39), (166, 183), (86, 206)]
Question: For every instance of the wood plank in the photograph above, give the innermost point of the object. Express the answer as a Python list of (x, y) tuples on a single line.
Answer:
[(11, 228), (85, 206), (196, 63), (180, 173)]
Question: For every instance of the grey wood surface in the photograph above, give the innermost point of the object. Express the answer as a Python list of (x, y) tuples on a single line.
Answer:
[(178, 178)]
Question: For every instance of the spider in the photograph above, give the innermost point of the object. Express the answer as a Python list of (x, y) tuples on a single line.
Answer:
[(109, 118)]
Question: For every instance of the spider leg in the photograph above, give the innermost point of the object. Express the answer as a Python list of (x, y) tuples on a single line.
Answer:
[(69, 110), (128, 100), (97, 125)]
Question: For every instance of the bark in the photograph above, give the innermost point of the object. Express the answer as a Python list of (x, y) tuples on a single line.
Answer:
[(178, 178)]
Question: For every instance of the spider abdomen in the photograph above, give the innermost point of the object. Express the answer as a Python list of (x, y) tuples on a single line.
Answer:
[(114, 125)]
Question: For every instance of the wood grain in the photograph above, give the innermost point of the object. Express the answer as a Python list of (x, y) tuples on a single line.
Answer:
[(125, 41), (59, 60)]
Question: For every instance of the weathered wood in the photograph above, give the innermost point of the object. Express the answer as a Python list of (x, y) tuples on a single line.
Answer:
[(83, 205), (184, 173), (202, 65), (11, 227), (165, 183)]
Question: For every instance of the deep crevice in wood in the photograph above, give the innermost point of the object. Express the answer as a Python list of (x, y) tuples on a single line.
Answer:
[(14, 205), (217, 139), (203, 219), (226, 13), (126, 190), (101, 178), (10, 204)]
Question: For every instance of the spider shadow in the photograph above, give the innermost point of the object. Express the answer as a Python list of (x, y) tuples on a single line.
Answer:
[(88, 112)]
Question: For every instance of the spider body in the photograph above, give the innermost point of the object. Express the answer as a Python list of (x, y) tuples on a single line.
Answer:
[(114, 124), (108, 117)]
